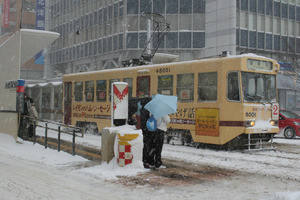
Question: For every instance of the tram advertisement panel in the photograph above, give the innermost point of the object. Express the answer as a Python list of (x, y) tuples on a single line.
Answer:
[(207, 121)]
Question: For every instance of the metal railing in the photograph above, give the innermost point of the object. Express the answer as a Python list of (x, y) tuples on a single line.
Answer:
[(60, 128)]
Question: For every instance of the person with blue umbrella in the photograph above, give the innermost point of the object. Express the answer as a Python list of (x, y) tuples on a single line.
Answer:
[(159, 107), (158, 142)]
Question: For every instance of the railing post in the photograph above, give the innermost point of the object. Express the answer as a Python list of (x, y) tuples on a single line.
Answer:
[(34, 131), (46, 133), (58, 145), (73, 145)]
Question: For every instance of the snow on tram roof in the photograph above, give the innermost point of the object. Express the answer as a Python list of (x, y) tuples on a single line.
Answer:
[(173, 63)]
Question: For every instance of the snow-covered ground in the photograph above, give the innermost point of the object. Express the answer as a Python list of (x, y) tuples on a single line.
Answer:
[(30, 171)]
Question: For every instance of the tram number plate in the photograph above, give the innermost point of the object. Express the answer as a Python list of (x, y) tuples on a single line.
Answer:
[(275, 111), (163, 70)]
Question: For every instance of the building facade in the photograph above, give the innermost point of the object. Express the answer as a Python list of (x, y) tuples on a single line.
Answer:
[(98, 34), (101, 34), (13, 16)]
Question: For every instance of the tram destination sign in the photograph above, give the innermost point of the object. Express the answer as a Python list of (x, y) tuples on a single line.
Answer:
[(259, 65)]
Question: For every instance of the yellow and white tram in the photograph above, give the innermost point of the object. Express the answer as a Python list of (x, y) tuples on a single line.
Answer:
[(221, 101)]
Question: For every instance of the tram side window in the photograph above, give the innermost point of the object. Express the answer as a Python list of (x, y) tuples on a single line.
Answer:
[(110, 82), (233, 91), (78, 91), (165, 85), (207, 86), (89, 91), (101, 90), (185, 87), (130, 85)]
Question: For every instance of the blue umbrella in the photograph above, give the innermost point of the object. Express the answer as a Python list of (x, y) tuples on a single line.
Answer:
[(162, 105)]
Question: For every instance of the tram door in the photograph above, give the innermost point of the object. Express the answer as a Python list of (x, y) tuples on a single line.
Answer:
[(67, 103), (143, 86)]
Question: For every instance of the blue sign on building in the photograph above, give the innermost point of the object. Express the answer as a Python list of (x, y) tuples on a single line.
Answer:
[(40, 25)]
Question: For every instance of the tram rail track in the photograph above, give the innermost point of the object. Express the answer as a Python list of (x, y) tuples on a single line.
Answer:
[(277, 161)]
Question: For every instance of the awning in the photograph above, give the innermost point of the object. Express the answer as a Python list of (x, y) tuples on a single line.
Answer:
[(56, 83)]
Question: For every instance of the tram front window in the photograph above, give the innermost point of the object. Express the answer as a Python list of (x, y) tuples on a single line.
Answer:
[(259, 88)]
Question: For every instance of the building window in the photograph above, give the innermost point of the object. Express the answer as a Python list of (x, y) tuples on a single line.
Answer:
[(253, 6), (155, 41), (145, 6), (261, 7), (110, 12), (244, 5), (121, 41), (283, 43), (82, 50), (100, 16), (132, 7), (78, 47), (244, 38), (172, 6), (105, 10), (172, 40), (252, 38), (95, 47), (198, 6), (284, 10), (86, 49), (298, 45), (91, 48), (261, 40), (207, 86), (269, 43), (132, 40), (121, 8), (159, 6), (298, 13), (277, 42), (143, 40), (116, 10), (269, 7), (104, 45), (198, 40), (96, 17), (99, 47), (185, 6), (109, 44), (292, 12), (291, 46), (185, 40), (276, 9), (237, 37), (115, 42)]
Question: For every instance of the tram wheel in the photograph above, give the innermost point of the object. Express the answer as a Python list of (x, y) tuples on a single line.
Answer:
[(289, 133), (234, 144)]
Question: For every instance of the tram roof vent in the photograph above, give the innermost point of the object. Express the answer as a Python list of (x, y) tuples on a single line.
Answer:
[(164, 58)]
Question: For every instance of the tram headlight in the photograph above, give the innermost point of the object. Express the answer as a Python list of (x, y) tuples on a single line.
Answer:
[(274, 123), (250, 123)]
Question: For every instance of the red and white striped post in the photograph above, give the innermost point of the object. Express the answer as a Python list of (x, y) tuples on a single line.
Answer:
[(119, 102)]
